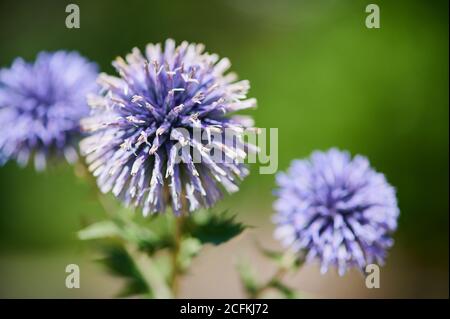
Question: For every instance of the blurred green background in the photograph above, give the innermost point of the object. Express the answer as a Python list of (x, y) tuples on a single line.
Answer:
[(320, 76)]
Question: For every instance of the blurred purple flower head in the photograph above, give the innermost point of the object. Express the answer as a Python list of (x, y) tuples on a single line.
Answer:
[(41, 104), (336, 209), (140, 119)]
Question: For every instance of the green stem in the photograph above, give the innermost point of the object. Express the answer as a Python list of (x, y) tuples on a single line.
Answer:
[(174, 282), (148, 271), (110, 209), (278, 276), (289, 262)]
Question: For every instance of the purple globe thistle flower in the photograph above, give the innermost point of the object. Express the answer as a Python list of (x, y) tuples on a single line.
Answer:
[(41, 104), (137, 124), (336, 209)]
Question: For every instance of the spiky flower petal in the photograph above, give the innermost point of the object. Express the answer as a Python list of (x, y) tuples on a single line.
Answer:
[(140, 120), (336, 209), (41, 104)]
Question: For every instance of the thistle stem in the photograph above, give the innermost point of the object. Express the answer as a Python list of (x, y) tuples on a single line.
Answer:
[(278, 276), (174, 283), (110, 209)]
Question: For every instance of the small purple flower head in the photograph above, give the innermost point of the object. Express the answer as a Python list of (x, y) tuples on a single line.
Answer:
[(140, 119), (336, 209), (41, 104)]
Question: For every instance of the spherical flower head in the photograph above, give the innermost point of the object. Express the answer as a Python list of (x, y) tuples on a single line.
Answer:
[(142, 145), (41, 104), (336, 209)]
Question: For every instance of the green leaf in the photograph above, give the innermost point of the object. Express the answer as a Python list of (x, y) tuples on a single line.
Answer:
[(99, 230), (142, 237), (189, 248), (119, 263), (286, 291), (285, 259), (248, 278), (163, 265), (210, 228), (275, 256), (126, 229), (151, 274)]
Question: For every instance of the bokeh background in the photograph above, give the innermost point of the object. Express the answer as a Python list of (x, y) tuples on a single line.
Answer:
[(320, 76)]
